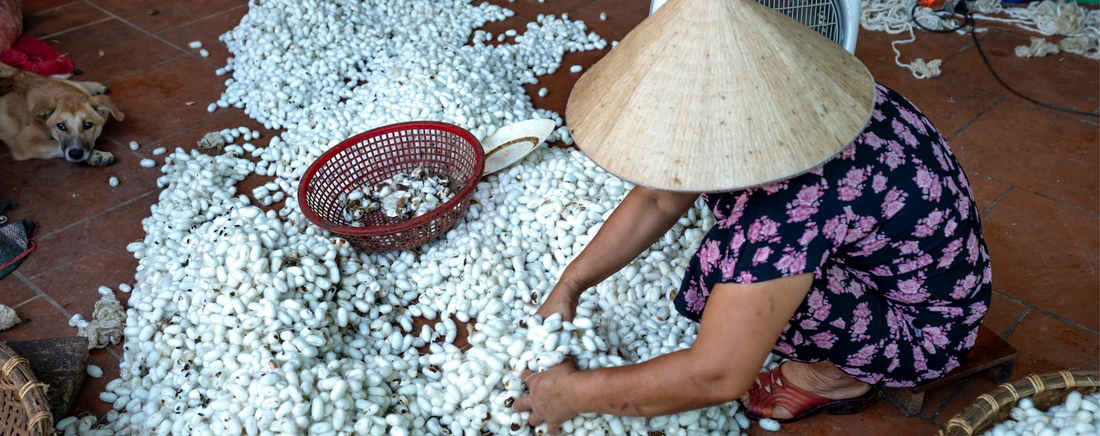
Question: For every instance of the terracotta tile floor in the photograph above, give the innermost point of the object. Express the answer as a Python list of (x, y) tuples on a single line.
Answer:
[(1034, 171)]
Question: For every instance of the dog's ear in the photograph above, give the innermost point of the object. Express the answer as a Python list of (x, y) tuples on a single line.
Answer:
[(42, 110), (104, 106)]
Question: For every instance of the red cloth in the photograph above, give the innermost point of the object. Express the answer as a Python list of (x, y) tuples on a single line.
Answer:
[(31, 54)]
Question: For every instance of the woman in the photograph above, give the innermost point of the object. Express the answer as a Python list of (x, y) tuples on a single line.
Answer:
[(867, 269)]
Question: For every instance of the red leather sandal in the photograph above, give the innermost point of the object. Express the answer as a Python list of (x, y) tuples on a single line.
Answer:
[(771, 389)]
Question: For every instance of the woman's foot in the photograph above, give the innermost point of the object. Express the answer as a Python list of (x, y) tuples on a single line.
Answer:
[(822, 379)]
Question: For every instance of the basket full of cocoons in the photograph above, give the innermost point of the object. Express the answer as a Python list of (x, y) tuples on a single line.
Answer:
[(1062, 403), (394, 187)]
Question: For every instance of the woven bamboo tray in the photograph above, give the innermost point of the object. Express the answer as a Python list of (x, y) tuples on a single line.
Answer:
[(1045, 390), (24, 410)]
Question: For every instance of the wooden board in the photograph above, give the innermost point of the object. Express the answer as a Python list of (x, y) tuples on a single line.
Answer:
[(989, 351), (990, 354), (60, 363)]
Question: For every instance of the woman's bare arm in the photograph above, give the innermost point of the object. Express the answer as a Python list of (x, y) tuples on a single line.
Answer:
[(640, 220), (739, 328)]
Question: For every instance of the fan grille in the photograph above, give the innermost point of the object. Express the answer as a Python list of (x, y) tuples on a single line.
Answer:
[(820, 15)]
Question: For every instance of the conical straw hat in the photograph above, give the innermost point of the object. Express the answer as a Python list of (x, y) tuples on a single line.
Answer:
[(718, 95)]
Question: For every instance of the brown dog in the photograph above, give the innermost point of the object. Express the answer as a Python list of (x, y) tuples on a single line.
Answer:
[(46, 118)]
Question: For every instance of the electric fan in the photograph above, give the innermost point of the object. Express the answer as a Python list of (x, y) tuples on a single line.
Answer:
[(837, 20)]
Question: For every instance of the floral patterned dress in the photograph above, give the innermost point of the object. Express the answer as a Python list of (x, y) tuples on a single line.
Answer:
[(891, 232)]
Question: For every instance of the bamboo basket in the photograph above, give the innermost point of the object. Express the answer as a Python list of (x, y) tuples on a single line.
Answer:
[(1045, 390), (24, 410)]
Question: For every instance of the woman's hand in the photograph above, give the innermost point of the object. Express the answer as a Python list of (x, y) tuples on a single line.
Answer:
[(548, 398), (718, 368), (563, 299), (640, 220)]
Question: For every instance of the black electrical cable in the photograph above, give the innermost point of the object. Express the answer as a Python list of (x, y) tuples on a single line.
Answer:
[(969, 20), (966, 20)]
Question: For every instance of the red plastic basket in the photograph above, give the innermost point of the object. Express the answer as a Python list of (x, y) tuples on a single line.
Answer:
[(379, 154)]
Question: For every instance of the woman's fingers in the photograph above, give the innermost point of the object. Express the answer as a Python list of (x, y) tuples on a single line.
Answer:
[(535, 419), (558, 302), (522, 404), (544, 399)]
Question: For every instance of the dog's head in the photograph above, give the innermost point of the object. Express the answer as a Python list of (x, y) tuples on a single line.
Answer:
[(75, 120)]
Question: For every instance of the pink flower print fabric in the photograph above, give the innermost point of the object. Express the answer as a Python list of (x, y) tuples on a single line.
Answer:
[(890, 231)]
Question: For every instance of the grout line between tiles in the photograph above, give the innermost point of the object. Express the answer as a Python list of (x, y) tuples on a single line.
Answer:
[(975, 118), (1092, 120), (1059, 113), (47, 37), (1017, 100), (950, 396), (203, 18), (105, 211), (143, 69), (154, 36), (1011, 328), (930, 421), (43, 295), (25, 302), (112, 352), (1062, 202), (205, 60), (111, 14), (1030, 308), (998, 200), (940, 79), (969, 43), (1009, 96)]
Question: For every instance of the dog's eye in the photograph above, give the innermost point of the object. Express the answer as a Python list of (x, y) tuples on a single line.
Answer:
[(88, 125), (61, 127)]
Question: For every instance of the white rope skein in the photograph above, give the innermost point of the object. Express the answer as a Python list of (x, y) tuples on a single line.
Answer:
[(893, 17), (1039, 47), (1081, 26), (1056, 17)]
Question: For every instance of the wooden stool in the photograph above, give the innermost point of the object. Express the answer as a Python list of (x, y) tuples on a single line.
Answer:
[(990, 354)]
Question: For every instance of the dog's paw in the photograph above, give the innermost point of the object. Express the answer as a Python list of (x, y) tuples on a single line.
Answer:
[(100, 158), (95, 88)]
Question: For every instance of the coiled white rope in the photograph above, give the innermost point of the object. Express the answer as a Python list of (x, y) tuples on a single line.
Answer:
[(1081, 26), (1039, 47), (1056, 17), (894, 17)]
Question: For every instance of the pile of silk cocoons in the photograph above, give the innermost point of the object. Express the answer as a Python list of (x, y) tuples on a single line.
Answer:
[(246, 321), (257, 322), (403, 196), (1077, 415)]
